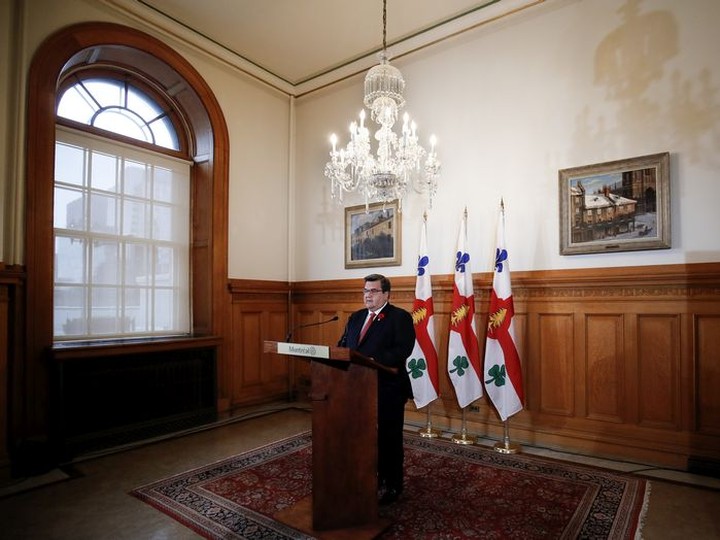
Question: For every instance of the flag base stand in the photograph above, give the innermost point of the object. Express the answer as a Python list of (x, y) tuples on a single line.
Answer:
[(428, 431), (506, 447), (462, 437)]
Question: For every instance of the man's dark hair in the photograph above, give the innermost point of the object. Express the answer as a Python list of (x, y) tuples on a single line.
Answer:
[(384, 282)]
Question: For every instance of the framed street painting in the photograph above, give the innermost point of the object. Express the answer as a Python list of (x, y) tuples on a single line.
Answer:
[(620, 205), (373, 237)]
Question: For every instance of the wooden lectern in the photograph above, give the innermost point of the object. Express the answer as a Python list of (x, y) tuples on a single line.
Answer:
[(344, 442)]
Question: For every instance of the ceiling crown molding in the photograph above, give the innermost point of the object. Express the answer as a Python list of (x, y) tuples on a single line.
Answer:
[(164, 26)]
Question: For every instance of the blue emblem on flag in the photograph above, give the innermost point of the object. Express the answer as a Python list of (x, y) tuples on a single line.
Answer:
[(461, 259), (423, 261), (500, 257)]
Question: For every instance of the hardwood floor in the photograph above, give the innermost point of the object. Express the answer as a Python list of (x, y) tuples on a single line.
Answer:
[(95, 504)]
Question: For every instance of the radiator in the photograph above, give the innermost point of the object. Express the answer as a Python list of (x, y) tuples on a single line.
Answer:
[(107, 401)]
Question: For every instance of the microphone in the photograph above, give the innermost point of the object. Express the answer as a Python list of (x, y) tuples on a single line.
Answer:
[(291, 332)]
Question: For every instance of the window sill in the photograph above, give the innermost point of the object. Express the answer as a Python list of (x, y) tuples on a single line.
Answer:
[(113, 347)]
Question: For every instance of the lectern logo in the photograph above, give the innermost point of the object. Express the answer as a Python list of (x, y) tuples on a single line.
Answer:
[(307, 350)]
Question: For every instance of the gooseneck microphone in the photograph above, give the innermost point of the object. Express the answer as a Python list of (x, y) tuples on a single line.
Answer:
[(291, 332)]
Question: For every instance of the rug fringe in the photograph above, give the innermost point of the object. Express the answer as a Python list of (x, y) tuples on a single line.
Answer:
[(643, 511)]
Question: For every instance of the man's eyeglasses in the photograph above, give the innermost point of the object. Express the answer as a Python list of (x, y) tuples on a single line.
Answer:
[(372, 291)]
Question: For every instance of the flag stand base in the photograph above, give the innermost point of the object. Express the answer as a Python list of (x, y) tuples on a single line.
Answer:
[(428, 431), (462, 437), (506, 448)]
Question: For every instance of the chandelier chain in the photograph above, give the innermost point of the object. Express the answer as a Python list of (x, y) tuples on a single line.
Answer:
[(384, 26)]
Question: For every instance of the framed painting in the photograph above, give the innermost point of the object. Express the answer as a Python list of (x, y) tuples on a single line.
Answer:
[(373, 236), (619, 205)]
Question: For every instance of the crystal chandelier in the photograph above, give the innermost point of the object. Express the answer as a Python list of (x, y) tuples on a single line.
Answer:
[(400, 162)]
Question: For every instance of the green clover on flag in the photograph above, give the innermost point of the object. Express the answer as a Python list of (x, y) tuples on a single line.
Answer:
[(461, 364), (416, 367), (497, 373)]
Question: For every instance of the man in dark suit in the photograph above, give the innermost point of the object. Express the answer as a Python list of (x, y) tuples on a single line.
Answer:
[(385, 333)]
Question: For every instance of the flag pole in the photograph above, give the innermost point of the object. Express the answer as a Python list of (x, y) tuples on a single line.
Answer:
[(428, 430), (506, 447), (462, 437)]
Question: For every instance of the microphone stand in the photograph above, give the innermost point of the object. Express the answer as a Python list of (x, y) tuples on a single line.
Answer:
[(293, 330), (287, 339)]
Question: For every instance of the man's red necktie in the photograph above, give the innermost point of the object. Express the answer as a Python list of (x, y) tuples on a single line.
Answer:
[(367, 325)]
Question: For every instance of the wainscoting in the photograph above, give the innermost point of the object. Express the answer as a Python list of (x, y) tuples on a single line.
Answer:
[(259, 311), (12, 280), (617, 362)]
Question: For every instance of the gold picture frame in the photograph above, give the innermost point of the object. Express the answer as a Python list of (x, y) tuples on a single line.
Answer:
[(621, 205), (373, 236)]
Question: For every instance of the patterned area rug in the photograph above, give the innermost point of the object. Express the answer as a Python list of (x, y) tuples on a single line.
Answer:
[(451, 492)]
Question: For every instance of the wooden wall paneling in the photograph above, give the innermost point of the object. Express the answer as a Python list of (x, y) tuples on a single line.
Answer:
[(605, 361), (200, 249), (611, 357), (688, 388), (531, 363), (658, 358), (12, 330), (707, 360), (299, 369), (259, 312), (278, 367), (259, 377), (630, 371), (579, 361), (251, 372), (556, 362), (4, 371), (521, 344)]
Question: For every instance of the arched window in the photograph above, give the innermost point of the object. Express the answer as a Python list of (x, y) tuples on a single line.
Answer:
[(121, 215), (157, 71), (120, 107)]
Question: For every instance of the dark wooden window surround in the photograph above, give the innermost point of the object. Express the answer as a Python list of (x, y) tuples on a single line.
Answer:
[(204, 136)]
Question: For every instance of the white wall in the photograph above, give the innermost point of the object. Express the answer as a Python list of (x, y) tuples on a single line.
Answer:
[(563, 84), (258, 120)]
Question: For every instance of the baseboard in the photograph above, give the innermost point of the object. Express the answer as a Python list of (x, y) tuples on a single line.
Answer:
[(704, 465)]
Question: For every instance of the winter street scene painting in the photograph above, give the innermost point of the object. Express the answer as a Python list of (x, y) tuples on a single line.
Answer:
[(613, 210)]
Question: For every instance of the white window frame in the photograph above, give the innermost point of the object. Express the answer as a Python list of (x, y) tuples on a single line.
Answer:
[(118, 323)]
